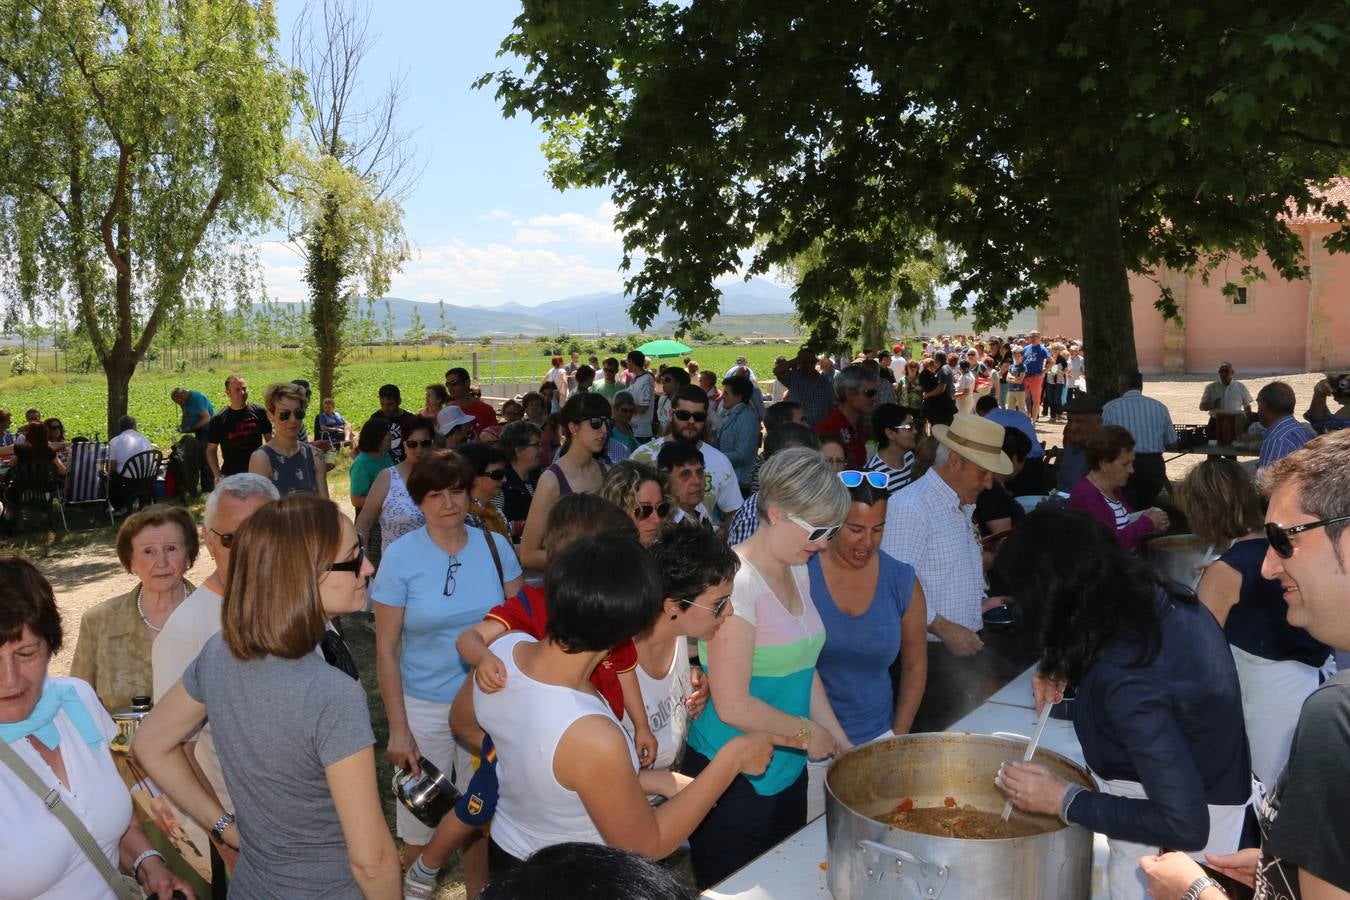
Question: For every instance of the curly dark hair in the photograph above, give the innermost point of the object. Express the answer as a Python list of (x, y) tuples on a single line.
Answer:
[(692, 559), (1081, 592)]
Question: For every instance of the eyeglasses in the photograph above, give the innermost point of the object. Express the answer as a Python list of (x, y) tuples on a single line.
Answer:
[(716, 609), (1278, 535), (226, 540), (495, 474), (450, 571), (685, 415), (598, 422), (451, 384), (420, 445), (814, 533), (352, 565), (643, 511), (285, 414), (906, 427), (852, 478)]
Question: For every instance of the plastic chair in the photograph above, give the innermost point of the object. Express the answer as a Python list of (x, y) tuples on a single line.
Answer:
[(32, 487), (86, 482), (136, 480)]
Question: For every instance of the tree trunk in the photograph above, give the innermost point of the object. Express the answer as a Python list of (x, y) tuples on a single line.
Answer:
[(1104, 297), (118, 369), (328, 309)]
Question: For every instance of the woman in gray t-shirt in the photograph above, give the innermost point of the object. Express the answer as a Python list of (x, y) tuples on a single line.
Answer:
[(292, 732)]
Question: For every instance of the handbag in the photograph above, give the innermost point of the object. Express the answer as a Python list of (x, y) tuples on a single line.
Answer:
[(124, 887)]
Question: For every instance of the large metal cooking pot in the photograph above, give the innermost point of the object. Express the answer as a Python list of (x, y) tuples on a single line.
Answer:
[(1176, 556), (869, 859)]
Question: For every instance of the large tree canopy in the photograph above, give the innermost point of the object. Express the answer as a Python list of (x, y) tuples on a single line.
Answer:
[(1038, 142), (137, 140)]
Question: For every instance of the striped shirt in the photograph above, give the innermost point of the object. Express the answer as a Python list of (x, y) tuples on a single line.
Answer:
[(782, 669), (814, 393), (1143, 417), (895, 478), (929, 528), (746, 522), (1283, 438)]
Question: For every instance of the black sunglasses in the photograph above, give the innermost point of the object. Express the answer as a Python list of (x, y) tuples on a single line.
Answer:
[(285, 414), (643, 511), (495, 474), (1278, 535), (352, 565), (421, 445), (598, 422), (226, 540), (685, 415)]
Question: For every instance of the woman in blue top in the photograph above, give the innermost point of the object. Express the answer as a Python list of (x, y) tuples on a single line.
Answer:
[(873, 609), (1158, 711), (433, 583), (1277, 663)]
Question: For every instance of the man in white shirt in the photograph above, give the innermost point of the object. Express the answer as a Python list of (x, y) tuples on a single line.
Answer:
[(126, 444), (928, 525), (688, 422), (741, 364), (643, 388), (1225, 395), (197, 618)]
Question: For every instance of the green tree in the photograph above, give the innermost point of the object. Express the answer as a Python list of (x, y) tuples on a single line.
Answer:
[(348, 175), (387, 324), (416, 332), (1041, 142), (136, 143)]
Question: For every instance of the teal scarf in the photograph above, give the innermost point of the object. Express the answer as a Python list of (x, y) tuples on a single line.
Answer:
[(41, 723)]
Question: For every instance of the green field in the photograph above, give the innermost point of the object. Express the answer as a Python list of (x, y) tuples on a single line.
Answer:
[(80, 400)]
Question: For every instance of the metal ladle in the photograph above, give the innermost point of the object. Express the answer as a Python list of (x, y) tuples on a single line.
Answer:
[(1031, 749)]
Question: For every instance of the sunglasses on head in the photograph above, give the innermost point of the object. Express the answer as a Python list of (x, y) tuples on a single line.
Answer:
[(685, 415), (1278, 535), (814, 533), (852, 478), (643, 511), (285, 414), (421, 445), (495, 474), (352, 565)]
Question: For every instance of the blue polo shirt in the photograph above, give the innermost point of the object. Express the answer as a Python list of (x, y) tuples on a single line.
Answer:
[(1034, 357), (193, 409), (1011, 418)]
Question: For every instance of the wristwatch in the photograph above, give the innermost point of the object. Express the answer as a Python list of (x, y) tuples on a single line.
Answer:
[(1198, 887), (218, 829)]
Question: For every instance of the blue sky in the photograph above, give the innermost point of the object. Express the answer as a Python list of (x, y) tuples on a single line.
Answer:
[(485, 224)]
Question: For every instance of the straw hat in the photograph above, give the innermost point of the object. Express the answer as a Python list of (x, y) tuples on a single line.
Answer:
[(977, 439)]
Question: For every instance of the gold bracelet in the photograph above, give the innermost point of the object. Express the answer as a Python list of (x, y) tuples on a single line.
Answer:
[(804, 733)]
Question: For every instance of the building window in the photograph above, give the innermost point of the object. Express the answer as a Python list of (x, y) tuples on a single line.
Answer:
[(1240, 297)]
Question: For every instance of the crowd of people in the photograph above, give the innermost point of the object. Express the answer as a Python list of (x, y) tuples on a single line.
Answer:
[(647, 605)]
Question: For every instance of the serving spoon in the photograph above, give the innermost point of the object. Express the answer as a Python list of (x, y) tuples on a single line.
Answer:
[(1031, 749)]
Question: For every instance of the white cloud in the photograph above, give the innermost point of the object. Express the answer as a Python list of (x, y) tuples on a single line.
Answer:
[(594, 229), (497, 215)]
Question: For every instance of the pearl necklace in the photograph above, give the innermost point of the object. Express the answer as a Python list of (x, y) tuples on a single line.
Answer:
[(140, 611)]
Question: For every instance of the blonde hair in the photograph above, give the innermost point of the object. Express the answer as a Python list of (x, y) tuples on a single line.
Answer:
[(283, 390), (272, 604), (1221, 501), (800, 482)]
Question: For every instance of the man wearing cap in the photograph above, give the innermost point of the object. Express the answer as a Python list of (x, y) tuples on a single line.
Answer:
[(400, 420), (928, 525), (1084, 419), (1224, 395)]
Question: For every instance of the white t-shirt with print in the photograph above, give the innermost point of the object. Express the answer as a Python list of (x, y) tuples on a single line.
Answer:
[(664, 699)]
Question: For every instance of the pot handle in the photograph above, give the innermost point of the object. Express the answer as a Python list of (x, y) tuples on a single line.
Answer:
[(931, 878)]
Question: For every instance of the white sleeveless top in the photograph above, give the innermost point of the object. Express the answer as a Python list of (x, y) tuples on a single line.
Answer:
[(526, 719)]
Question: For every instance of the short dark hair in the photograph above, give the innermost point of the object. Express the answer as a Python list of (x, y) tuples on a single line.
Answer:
[(1107, 444), (459, 372), (790, 434), (610, 361), (1132, 381), (637, 358), (390, 390), (582, 406), (675, 373), (416, 424), (602, 590), (984, 404), (372, 434), (690, 393), (577, 514), (439, 470), (584, 373), (779, 414), (1277, 397), (150, 517), (887, 415), (26, 600), (480, 455), (674, 454), (126, 423), (1016, 444), (516, 435), (591, 870), (739, 385)]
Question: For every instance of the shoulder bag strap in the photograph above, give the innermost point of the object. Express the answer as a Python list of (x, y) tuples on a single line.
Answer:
[(125, 887), (496, 559)]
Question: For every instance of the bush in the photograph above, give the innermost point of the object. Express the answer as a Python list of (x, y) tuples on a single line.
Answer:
[(21, 364)]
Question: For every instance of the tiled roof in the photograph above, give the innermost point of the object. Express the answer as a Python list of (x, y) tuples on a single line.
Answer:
[(1338, 191)]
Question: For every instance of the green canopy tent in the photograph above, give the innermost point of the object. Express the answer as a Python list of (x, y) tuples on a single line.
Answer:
[(659, 349)]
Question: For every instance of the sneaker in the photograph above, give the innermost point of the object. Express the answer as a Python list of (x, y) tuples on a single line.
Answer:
[(415, 888)]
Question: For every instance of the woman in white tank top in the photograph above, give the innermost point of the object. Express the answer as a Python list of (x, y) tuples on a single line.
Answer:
[(566, 768)]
